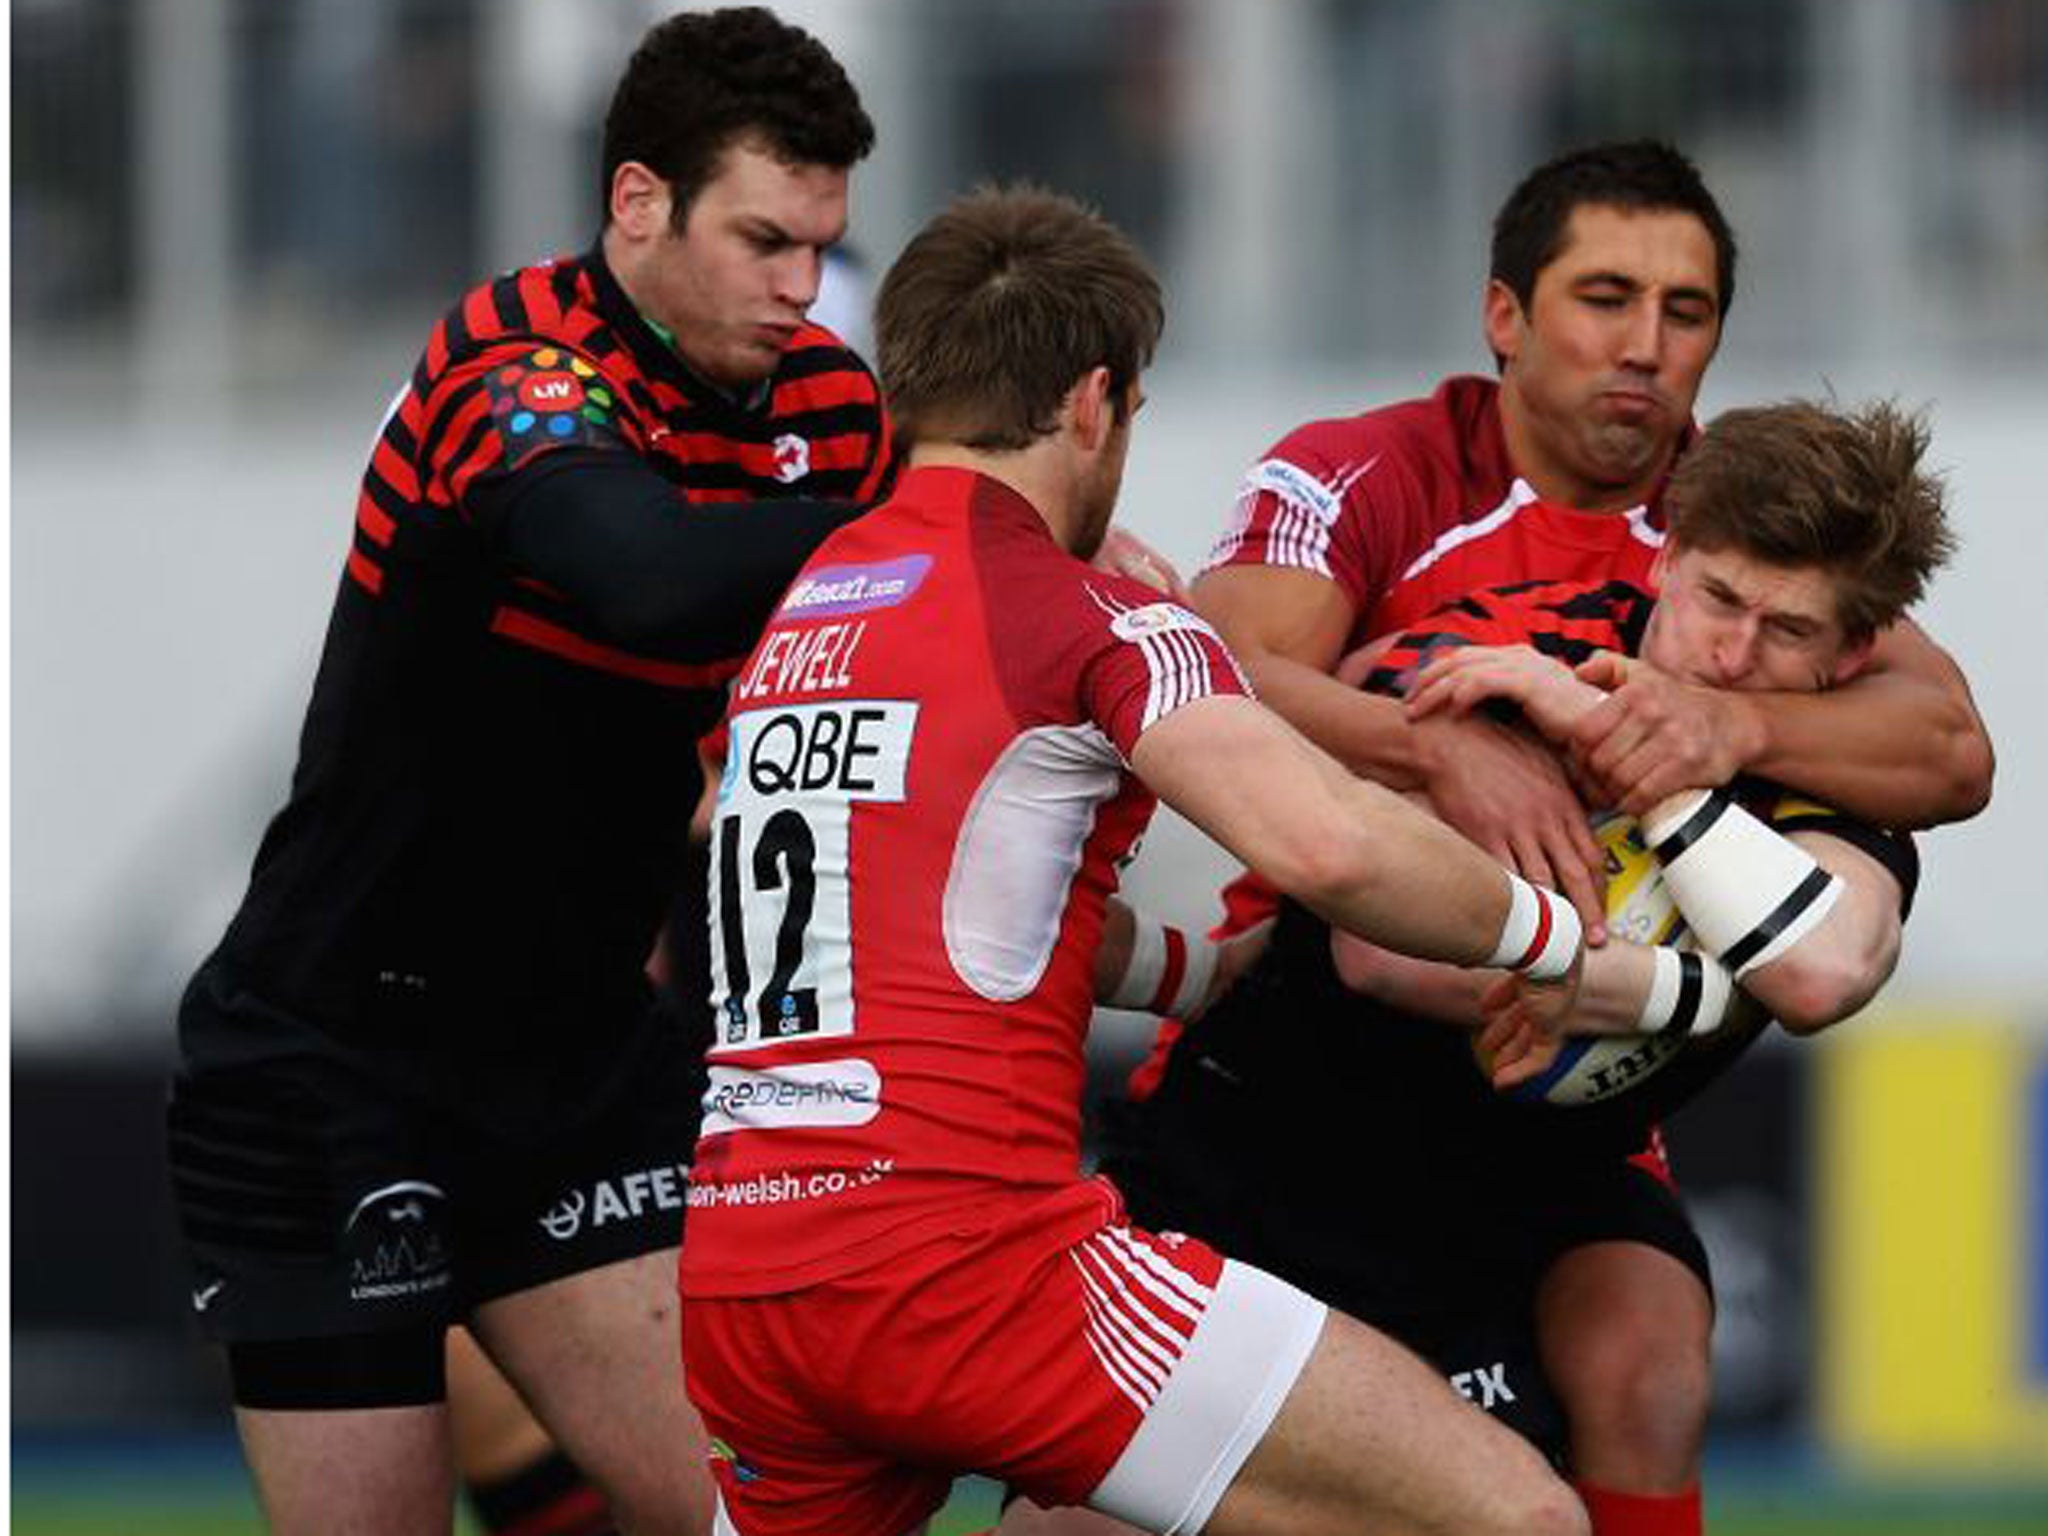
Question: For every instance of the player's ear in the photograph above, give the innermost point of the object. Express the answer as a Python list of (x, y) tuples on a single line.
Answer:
[(1854, 658), (1501, 314), (1088, 408), (640, 201)]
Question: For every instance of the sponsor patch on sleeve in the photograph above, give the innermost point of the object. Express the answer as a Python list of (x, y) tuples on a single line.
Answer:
[(1296, 487), (1136, 624), (550, 398)]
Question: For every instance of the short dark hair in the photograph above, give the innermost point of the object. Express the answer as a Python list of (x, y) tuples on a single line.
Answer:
[(999, 305), (1800, 484), (703, 79), (1642, 174)]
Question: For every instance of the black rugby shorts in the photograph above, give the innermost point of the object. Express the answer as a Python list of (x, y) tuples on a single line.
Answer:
[(322, 1193)]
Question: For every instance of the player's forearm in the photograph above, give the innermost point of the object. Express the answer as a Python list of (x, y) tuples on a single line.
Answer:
[(1113, 954), (1394, 874), (652, 572), (1894, 748), (1807, 924), (1431, 989), (1614, 990), (1368, 734), (1150, 966), (1355, 853)]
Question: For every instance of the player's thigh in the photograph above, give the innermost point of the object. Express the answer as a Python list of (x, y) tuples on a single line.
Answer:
[(1626, 1299), (495, 1432), (1624, 1307), (1468, 1314), (1022, 1517), (344, 1472), (1371, 1438), (598, 1357)]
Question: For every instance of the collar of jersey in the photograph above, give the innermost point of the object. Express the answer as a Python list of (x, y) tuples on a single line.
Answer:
[(987, 496), (653, 345)]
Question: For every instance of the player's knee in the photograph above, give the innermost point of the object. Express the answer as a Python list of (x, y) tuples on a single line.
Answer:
[(1541, 1506), (662, 1506), (1647, 1406)]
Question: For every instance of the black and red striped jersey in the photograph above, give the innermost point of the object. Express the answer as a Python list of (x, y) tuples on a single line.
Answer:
[(1570, 620), (1382, 1082), (1565, 620), (564, 543)]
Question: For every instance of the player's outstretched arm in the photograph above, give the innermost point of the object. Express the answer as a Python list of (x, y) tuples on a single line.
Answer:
[(655, 573), (1352, 851), (1899, 745), (1288, 627)]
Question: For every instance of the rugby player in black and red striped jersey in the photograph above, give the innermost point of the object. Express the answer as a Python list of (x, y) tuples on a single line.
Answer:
[(1798, 534), (422, 1079), (1612, 270)]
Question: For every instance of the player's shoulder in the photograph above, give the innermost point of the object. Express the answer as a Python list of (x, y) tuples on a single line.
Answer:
[(818, 362), (545, 315), (1415, 447), (1048, 601), (1129, 611), (1438, 424)]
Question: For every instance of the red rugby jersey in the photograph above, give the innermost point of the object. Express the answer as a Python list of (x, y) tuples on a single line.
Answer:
[(924, 806), (1412, 505)]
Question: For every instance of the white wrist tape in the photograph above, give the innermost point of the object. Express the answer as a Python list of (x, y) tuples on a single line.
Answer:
[(1167, 974), (1541, 934), (1689, 994), (1747, 893)]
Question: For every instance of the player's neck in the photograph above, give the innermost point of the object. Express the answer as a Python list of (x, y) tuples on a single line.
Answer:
[(1040, 474)]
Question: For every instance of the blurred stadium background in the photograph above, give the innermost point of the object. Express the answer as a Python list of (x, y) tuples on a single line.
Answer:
[(233, 221)]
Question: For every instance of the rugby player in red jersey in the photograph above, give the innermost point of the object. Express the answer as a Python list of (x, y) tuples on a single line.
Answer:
[(949, 736), (1612, 272)]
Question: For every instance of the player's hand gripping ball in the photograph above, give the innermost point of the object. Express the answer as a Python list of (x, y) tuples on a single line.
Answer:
[(1594, 1070)]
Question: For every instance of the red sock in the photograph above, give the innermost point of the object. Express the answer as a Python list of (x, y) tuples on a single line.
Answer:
[(1642, 1514)]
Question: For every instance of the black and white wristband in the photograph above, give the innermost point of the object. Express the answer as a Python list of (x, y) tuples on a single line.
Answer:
[(1689, 994)]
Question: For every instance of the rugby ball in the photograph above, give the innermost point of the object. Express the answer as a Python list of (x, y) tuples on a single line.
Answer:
[(1589, 1070)]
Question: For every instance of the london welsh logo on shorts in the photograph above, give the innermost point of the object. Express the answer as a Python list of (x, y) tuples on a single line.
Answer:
[(395, 1242)]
